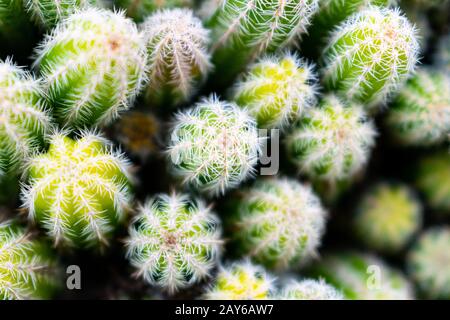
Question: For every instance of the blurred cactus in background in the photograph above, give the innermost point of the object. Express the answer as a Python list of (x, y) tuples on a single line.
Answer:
[(332, 142), (241, 281), (370, 55), (387, 217), (178, 59), (27, 268), (428, 263), (433, 180), (363, 277), (174, 241), (277, 222), (276, 90), (140, 9), (93, 66), (214, 146), (23, 117), (309, 289), (79, 190)]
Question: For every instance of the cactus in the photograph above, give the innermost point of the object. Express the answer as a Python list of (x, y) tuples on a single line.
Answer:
[(178, 59), (433, 180), (47, 13), (79, 190), (277, 90), (428, 263), (387, 217), (241, 281), (174, 241), (363, 277), (244, 29), (93, 65), (23, 117), (138, 132), (140, 9), (332, 142), (214, 146), (309, 289), (442, 57), (278, 222), (420, 115), (370, 55), (27, 267)]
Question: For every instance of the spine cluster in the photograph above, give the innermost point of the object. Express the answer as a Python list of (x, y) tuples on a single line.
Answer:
[(79, 190), (174, 241)]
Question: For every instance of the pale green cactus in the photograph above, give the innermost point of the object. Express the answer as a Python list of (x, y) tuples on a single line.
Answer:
[(178, 58), (276, 90), (78, 191), (433, 180), (241, 281), (363, 277), (47, 13), (277, 222), (214, 146), (23, 117), (140, 9), (387, 217), (93, 65), (332, 142), (242, 30), (370, 55), (309, 289), (428, 263), (27, 268), (174, 241), (420, 115)]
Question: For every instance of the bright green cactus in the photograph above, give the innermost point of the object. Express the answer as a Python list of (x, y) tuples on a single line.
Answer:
[(363, 277), (276, 90), (277, 222), (79, 190), (443, 54), (309, 289), (174, 241), (23, 117), (241, 281), (93, 65), (433, 180), (178, 58), (428, 263), (387, 217), (47, 13), (332, 142), (140, 9), (370, 55), (242, 30), (214, 146), (27, 268), (420, 115)]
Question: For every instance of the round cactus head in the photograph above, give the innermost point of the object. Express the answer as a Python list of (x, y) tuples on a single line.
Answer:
[(433, 180), (428, 263), (139, 9), (214, 146), (370, 54), (278, 222), (27, 268), (276, 90), (332, 142), (241, 281), (387, 217), (420, 115), (174, 241), (178, 59), (309, 289), (79, 190), (363, 277), (93, 65), (23, 118)]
